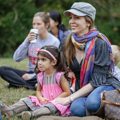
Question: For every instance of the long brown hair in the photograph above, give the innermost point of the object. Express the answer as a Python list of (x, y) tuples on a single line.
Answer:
[(69, 50)]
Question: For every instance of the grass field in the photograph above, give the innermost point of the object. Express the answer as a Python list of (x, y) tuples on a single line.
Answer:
[(11, 95)]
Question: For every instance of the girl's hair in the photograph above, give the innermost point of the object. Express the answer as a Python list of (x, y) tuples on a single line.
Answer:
[(44, 16), (116, 53), (56, 16), (52, 53)]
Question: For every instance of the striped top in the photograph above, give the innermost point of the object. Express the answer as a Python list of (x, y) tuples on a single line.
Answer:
[(51, 89)]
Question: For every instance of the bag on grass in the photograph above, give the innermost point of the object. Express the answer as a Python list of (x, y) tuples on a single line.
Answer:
[(111, 101)]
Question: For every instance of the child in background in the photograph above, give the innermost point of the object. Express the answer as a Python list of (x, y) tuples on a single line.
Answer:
[(51, 85), (116, 57)]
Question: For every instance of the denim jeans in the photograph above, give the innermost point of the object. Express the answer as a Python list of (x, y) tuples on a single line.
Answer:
[(91, 103)]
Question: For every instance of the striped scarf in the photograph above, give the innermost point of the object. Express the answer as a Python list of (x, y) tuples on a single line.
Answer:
[(88, 61)]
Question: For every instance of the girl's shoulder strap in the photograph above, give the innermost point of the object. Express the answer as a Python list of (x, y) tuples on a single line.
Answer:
[(40, 78), (58, 77)]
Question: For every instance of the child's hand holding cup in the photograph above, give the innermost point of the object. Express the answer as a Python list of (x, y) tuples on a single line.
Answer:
[(34, 31)]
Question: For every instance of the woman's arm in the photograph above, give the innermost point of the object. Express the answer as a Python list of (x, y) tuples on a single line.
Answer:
[(84, 91), (22, 51), (80, 93)]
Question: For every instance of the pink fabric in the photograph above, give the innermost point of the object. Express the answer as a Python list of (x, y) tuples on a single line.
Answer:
[(35, 100), (40, 78), (51, 91), (64, 109)]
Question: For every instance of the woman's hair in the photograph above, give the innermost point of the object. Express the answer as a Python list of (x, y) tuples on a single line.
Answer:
[(56, 16), (44, 16), (52, 53), (116, 53), (69, 50), (90, 21)]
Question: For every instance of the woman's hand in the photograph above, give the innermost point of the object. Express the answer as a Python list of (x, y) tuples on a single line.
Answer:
[(28, 76), (31, 36), (63, 101)]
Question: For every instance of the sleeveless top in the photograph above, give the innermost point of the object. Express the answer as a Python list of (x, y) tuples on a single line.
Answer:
[(51, 89)]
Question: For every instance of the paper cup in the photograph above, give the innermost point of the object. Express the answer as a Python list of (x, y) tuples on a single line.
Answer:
[(36, 32)]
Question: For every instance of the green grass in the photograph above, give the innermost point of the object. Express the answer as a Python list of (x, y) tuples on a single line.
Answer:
[(12, 95), (118, 64)]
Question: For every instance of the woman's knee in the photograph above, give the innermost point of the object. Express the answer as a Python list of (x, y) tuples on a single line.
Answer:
[(92, 105), (77, 107), (93, 101)]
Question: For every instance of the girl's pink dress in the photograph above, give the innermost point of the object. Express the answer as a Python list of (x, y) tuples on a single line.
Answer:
[(51, 89)]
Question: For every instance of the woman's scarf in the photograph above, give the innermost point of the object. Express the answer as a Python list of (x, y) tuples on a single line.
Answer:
[(88, 61)]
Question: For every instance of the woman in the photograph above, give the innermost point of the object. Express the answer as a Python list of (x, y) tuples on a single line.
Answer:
[(56, 26), (23, 78), (88, 55)]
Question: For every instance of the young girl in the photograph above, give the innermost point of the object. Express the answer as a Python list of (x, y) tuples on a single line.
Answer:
[(51, 85)]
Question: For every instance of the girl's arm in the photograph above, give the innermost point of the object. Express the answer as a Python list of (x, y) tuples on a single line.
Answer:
[(80, 93), (38, 92), (39, 95), (65, 87)]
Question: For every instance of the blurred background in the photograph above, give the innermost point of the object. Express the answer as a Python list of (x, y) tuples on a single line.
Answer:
[(16, 19)]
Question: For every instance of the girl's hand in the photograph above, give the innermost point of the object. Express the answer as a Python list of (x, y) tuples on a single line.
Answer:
[(44, 100), (63, 101)]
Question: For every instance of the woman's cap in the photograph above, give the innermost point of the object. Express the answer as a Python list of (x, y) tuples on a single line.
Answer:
[(82, 9)]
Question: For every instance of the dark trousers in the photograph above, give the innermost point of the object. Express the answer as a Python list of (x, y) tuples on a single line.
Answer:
[(14, 77)]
